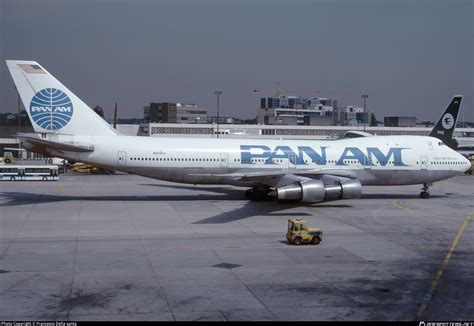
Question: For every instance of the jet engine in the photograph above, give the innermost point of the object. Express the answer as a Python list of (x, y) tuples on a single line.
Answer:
[(346, 189), (315, 191)]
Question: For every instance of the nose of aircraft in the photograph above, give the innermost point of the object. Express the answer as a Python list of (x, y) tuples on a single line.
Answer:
[(466, 164)]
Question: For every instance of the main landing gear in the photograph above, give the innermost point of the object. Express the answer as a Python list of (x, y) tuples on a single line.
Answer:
[(257, 194), (425, 194)]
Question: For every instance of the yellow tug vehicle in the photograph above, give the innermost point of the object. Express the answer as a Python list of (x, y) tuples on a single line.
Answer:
[(299, 233)]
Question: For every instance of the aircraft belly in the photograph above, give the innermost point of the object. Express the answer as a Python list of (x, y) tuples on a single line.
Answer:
[(366, 176), (181, 174), (403, 177), (389, 177)]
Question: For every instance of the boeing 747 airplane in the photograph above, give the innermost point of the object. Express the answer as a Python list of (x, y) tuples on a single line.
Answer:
[(309, 171)]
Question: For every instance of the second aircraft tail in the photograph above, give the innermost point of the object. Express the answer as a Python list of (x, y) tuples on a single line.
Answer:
[(444, 128)]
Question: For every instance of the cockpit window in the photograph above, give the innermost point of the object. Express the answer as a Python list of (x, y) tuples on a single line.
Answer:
[(440, 143)]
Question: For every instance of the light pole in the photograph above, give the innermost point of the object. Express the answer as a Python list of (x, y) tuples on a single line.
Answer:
[(364, 96), (218, 92)]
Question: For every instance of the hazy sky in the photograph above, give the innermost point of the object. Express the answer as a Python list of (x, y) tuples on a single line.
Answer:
[(410, 57)]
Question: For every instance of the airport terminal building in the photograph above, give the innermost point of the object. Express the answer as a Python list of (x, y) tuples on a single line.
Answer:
[(278, 131), (309, 111), (174, 112)]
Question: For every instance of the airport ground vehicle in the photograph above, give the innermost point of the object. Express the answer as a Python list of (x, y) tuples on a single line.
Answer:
[(29, 172), (83, 168), (299, 233), (8, 158), (89, 168)]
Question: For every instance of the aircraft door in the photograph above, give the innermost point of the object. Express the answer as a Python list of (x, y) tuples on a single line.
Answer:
[(121, 158), (368, 162), (224, 159), (292, 161), (424, 162)]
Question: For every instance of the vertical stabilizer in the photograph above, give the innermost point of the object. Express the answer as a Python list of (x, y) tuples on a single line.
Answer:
[(51, 107), (444, 128)]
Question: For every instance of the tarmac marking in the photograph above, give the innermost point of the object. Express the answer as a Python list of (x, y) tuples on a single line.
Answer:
[(396, 204), (437, 279)]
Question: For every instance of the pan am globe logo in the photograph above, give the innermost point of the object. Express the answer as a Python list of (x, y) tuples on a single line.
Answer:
[(51, 109)]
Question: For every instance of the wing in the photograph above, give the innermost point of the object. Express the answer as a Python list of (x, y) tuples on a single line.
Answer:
[(277, 178), (42, 145)]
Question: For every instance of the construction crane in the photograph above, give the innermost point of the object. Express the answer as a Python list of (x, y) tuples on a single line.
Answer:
[(278, 91)]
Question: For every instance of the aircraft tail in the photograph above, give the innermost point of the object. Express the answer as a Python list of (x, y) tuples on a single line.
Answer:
[(444, 128), (51, 107)]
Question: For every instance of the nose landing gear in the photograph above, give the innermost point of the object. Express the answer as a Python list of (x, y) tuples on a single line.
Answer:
[(425, 194)]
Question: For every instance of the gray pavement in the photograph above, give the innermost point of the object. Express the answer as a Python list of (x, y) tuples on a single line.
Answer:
[(123, 247)]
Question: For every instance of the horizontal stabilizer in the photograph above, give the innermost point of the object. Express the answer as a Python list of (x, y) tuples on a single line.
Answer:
[(34, 140)]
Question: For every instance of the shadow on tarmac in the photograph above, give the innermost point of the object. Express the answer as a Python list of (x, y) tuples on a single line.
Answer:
[(249, 209), (396, 196), (21, 198)]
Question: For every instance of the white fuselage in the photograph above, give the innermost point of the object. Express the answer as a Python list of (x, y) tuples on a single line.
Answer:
[(387, 160)]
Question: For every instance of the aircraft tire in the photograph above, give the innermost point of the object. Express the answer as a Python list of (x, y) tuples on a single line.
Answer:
[(424, 195)]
